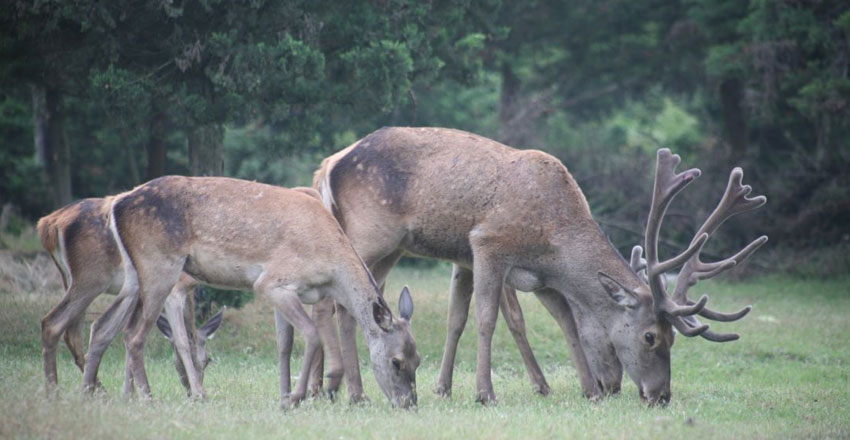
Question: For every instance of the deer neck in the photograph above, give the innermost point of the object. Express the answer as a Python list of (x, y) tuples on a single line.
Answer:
[(583, 254), (357, 293)]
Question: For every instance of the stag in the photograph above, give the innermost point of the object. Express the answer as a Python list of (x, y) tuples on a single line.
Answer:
[(515, 218), (281, 243), (79, 242)]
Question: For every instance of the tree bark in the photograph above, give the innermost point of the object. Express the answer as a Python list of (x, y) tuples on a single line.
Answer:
[(156, 141), (39, 123), (734, 119), (57, 151), (508, 102), (132, 163), (206, 150)]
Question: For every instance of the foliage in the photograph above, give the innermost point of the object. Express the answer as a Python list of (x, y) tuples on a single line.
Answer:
[(209, 300), (601, 85), (20, 172)]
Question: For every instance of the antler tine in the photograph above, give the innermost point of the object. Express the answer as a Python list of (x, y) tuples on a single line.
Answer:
[(689, 276), (638, 263), (693, 324), (723, 317), (734, 201), (667, 184), (685, 328), (696, 270)]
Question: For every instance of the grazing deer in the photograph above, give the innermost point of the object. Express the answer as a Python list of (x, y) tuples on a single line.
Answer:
[(518, 218), (174, 311), (78, 239), (278, 242)]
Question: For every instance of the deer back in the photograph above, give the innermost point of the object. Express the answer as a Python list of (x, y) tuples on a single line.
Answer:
[(442, 187)]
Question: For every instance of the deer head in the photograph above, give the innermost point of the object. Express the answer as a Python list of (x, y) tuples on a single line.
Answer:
[(393, 352), (643, 334), (198, 345)]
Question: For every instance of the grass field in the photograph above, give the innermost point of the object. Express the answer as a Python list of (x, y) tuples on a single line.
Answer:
[(788, 377)]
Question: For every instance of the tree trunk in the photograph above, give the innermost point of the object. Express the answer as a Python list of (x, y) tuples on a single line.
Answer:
[(57, 151), (734, 119), (156, 141), (508, 103), (206, 150), (132, 163), (39, 123)]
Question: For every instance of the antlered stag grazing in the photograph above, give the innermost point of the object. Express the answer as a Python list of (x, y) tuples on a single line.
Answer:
[(281, 243), (518, 218), (79, 241)]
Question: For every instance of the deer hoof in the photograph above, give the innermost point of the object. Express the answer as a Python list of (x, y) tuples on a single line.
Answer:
[(486, 398), (443, 391), (290, 401), (315, 392), (358, 399), (94, 390), (593, 397), (331, 394), (542, 389), (334, 384)]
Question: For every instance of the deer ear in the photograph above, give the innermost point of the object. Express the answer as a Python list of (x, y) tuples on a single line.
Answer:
[(163, 326), (617, 292), (207, 331), (405, 304), (381, 313)]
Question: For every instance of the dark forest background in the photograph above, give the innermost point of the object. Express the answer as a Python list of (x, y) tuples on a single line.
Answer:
[(99, 96)]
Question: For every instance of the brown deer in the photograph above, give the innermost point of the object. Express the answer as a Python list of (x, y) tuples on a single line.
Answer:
[(78, 239), (281, 243), (518, 218)]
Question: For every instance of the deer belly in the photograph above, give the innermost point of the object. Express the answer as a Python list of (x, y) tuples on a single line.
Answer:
[(524, 280), (436, 242), (310, 296), (221, 272)]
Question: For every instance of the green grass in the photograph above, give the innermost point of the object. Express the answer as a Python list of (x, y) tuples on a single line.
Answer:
[(788, 377)]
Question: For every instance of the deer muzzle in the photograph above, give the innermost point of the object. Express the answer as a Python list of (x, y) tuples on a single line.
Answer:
[(654, 397)]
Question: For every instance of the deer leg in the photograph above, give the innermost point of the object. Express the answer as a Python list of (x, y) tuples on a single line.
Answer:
[(316, 382), (285, 335), (488, 279), (558, 307), (460, 294), (129, 390), (104, 329), (511, 311), (174, 312), (289, 306), (314, 386), (323, 312), (181, 373), (74, 340), (66, 316), (348, 348), (156, 281)]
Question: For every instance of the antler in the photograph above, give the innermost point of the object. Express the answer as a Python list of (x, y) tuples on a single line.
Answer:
[(667, 185), (735, 200), (681, 310)]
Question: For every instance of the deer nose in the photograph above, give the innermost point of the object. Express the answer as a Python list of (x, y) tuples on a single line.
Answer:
[(407, 402), (661, 398)]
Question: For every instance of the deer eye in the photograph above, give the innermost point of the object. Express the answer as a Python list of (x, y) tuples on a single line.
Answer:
[(650, 338), (397, 363)]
